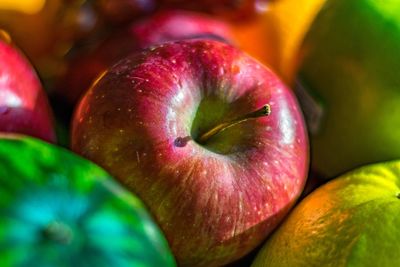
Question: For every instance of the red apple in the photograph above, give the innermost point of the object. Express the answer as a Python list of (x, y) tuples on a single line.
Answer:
[(170, 124), (159, 28), (24, 107)]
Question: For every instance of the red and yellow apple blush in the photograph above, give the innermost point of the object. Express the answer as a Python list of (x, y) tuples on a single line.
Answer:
[(211, 140)]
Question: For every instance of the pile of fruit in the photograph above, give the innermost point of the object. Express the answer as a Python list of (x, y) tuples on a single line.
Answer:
[(199, 133)]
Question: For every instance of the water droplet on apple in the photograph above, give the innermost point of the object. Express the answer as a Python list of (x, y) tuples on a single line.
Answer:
[(285, 187), (221, 71)]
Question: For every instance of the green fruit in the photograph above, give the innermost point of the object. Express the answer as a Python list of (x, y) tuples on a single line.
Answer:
[(57, 209), (350, 68), (351, 221)]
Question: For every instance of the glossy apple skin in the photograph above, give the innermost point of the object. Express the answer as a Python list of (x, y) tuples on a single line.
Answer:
[(215, 202), (162, 27), (349, 67), (24, 107)]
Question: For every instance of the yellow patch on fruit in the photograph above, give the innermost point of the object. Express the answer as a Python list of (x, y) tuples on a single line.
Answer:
[(23, 6), (350, 221), (4, 36), (288, 21)]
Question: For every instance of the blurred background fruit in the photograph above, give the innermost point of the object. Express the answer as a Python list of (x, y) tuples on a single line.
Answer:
[(230, 9), (124, 11), (46, 29), (256, 38), (24, 107), (351, 221), (118, 12), (274, 36), (58, 209), (286, 23), (349, 84)]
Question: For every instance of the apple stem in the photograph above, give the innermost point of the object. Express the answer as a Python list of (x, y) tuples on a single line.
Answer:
[(263, 111)]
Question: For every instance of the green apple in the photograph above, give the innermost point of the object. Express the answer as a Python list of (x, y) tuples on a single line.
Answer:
[(349, 84), (350, 221), (57, 209)]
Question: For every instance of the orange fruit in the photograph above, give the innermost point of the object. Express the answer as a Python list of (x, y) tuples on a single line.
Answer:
[(43, 29), (275, 37)]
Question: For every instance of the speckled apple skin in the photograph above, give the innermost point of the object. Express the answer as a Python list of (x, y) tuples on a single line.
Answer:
[(24, 107), (216, 202)]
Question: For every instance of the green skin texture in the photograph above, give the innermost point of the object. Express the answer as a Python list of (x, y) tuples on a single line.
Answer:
[(58, 209), (351, 221), (350, 65)]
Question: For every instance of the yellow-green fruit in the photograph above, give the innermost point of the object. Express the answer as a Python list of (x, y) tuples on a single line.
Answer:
[(350, 221), (350, 68)]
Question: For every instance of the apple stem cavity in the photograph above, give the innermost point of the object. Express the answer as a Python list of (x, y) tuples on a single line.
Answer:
[(58, 232), (262, 112)]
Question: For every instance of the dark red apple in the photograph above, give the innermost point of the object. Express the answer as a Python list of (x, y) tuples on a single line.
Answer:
[(24, 107), (161, 27), (184, 125), (122, 11), (231, 9)]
